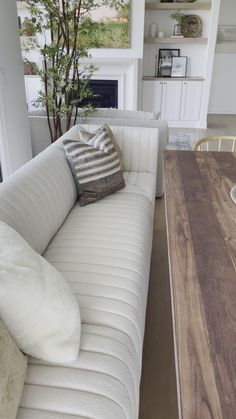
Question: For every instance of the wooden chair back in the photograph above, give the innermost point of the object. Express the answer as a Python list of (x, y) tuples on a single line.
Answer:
[(220, 141)]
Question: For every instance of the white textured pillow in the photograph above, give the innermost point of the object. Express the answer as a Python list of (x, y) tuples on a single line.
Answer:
[(36, 302)]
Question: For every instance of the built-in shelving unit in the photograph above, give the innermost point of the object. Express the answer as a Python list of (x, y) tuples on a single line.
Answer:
[(182, 101), (176, 40), (179, 6)]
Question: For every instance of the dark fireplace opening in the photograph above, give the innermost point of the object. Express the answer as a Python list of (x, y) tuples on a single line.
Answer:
[(105, 94)]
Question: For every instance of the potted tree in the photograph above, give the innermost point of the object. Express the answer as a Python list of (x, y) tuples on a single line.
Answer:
[(62, 34)]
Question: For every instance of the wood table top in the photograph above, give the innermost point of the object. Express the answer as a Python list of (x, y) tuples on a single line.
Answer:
[(201, 230)]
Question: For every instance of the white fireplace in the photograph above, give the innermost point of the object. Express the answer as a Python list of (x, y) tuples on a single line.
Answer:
[(125, 71)]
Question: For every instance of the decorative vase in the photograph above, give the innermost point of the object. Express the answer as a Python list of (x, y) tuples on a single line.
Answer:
[(177, 30), (153, 30)]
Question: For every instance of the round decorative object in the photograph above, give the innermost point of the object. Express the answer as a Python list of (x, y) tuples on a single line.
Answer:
[(191, 26), (233, 193)]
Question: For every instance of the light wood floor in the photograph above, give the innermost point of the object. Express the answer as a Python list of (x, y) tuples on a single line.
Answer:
[(216, 125), (158, 387), (222, 124)]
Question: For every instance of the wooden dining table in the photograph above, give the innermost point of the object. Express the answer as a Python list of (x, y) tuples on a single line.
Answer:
[(201, 233)]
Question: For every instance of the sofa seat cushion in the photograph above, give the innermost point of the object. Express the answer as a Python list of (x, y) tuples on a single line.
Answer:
[(140, 183), (108, 245), (99, 385), (104, 252)]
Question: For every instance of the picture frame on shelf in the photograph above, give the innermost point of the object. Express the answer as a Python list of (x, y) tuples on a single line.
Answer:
[(179, 66), (165, 61), (19, 22)]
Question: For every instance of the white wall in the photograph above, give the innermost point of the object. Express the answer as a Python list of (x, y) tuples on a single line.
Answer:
[(15, 146), (228, 12), (223, 88)]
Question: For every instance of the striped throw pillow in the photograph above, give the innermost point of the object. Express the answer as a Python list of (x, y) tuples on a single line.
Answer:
[(95, 165), (86, 135)]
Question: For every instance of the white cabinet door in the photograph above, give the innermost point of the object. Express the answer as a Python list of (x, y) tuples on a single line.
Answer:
[(191, 100), (152, 96), (171, 100)]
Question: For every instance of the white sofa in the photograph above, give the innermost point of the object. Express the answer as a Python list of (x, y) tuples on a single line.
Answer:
[(40, 133), (104, 251)]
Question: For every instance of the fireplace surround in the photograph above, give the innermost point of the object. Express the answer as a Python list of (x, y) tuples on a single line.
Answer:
[(105, 93)]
